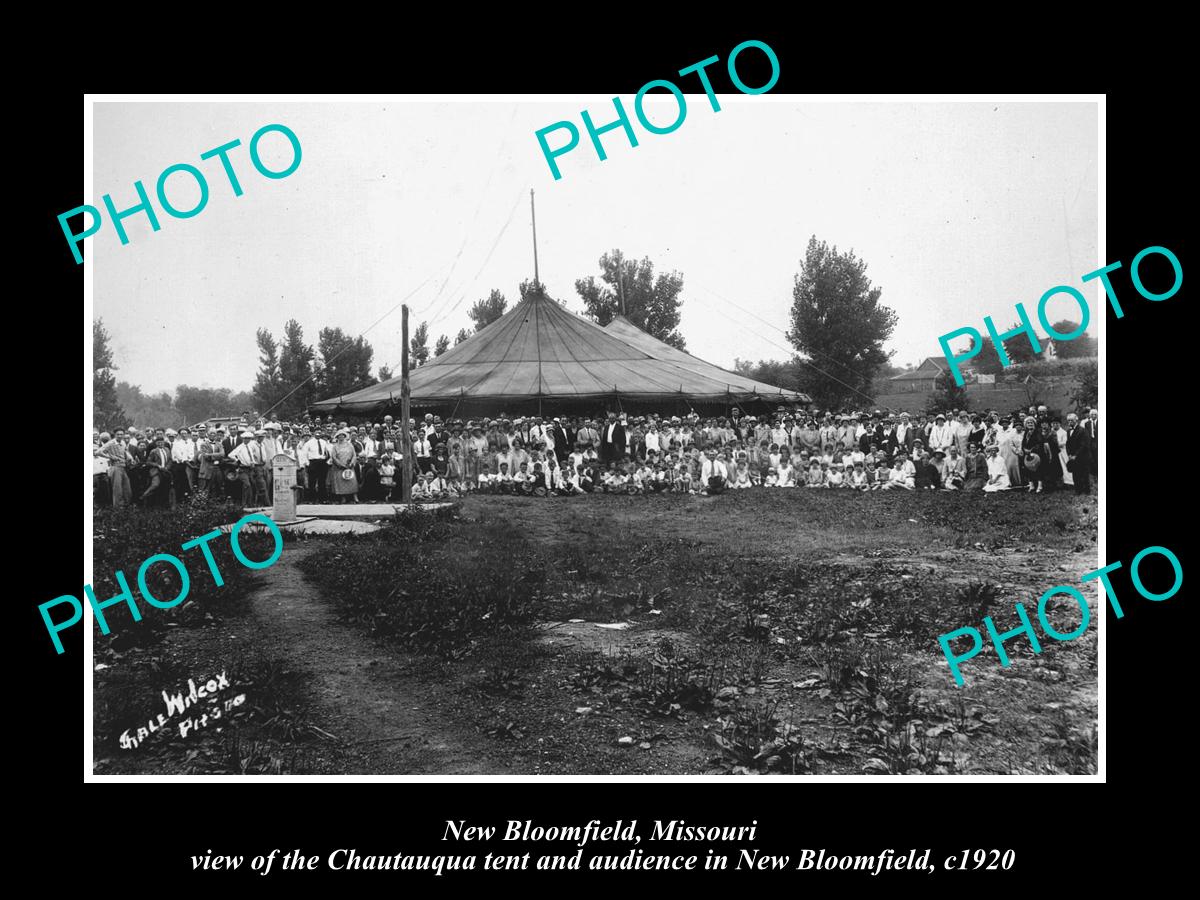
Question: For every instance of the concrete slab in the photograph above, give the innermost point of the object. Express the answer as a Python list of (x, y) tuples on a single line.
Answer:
[(334, 526), (353, 510)]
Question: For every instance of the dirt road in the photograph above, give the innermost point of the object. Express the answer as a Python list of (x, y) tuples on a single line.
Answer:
[(386, 720)]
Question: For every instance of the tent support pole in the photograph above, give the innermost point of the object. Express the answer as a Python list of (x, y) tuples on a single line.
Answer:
[(405, 469)]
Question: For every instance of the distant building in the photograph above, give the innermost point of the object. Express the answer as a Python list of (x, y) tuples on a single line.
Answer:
[(920, 380)]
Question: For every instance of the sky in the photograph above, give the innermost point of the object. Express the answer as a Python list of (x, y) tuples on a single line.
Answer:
[(960, 210)]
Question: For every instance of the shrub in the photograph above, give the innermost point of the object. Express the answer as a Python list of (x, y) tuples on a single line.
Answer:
[(754, 738), (672, 682), (414, 584), (124, 538)]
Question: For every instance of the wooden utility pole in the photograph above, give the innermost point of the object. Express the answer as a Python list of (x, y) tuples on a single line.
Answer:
[(533, 216), (406, 470)]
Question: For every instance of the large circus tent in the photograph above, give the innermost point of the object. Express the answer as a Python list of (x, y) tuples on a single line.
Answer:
[(540, 358)]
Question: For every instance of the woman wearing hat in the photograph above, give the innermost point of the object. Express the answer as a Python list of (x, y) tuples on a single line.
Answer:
[(477, 450), (974, 468), (1011, 438), (456, 451), (342, 460)]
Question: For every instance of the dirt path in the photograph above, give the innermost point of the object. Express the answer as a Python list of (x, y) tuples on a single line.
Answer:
[(387, 721)]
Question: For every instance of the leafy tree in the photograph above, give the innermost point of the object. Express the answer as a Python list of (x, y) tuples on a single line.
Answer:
[(268, 387), (1019, 349), (781, 373), (986, 361), (462, 335), (442, 345), (195, 404), (1084, 345), (1087, 389), (418, 345), (485, 312), (529, 287), (947, 395), (295, 371), (385, 374), (107, 414), (837, 320), (198, 403), (651, 303), (242, 403), (148, 410), (345, 364)]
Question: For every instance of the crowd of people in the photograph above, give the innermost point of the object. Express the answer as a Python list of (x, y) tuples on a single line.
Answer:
[(336, 461)]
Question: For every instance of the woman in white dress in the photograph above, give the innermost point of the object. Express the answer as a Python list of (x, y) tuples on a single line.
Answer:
[(1010, 451), (997, 471), (1063, 457)]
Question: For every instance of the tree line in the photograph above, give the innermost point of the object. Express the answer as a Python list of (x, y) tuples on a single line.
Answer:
[(838, 328)]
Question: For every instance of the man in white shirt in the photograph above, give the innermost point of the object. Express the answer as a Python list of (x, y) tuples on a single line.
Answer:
[(316, 452), (370, 446), (612, 440), (423, 452), (258, 475), (183, 455), (271, 444), (243, 457), (713, 473), (300, 451)]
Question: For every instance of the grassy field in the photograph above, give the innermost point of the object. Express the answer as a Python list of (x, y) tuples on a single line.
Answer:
[(756, 632), (784, 631)]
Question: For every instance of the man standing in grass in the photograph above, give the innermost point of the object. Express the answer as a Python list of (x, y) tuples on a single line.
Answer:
[(1079, 453), (158, 493), (713, 473)]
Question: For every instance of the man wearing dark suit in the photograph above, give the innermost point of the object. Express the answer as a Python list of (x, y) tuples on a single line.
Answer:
[(1079, 453), (158, 493), (439, 434), (612, 439), (562, 442), (1093, 429), (231, 440)]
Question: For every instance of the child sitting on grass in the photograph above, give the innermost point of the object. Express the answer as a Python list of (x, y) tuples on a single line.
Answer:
[(785, 475), (858, 477), (835, 478), (815, 477), (902, 476)]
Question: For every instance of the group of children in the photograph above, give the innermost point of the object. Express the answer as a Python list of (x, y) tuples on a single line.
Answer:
[(691, 472)]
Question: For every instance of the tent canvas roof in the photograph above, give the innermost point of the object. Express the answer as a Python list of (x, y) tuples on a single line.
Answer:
[(539, 350), (631, 334)]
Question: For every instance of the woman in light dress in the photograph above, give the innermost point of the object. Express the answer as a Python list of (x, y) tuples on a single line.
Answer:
[(477, 450), (342, 461), (1009, 444), (997, 468)]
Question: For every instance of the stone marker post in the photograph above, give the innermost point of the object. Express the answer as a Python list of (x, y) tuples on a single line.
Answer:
[(283, 468)]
